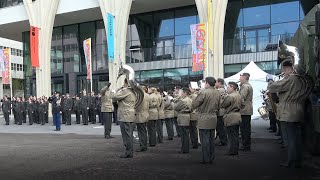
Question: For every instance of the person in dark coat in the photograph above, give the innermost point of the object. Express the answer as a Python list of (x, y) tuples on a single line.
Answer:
[(31, 110), (56, 109), (76, 108), (6, 108), (92, 108), (84, 104), (67, 107)]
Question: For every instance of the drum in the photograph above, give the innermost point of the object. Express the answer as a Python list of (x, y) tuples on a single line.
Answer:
[(264, 114)]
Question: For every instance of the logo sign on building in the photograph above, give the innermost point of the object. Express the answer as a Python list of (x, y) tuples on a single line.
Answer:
[(199, 46), (110, 37), (5, 64), (87, 54), (34, 46)]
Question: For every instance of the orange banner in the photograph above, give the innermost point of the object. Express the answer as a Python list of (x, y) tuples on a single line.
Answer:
[(34, 46), (6, 65)]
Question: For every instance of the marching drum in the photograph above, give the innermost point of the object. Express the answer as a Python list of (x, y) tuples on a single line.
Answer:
[(263, 112)]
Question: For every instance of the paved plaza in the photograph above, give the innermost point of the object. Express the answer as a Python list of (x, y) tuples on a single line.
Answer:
[(81, 152)]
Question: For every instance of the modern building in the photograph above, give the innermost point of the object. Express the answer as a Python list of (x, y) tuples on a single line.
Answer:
[(17, 69), (151, 36)]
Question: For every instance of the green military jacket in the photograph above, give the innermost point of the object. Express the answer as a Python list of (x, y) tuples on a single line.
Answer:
[(183, 108), (126, 104), (246, 93), (231, 103)]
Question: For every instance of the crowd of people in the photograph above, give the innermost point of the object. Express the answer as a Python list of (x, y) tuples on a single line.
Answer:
[(194, 113)]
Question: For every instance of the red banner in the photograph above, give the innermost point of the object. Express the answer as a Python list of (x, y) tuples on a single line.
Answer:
[(34, 46)]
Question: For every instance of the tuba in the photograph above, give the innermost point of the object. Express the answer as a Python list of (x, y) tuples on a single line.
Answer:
[(129, 72), (286, 52)]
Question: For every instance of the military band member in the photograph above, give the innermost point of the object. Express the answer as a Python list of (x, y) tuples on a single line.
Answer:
[(159, 122), (292, 100), (19, 111), (92, 108), (193, 121), (77, 109), (153, 116), (246, 111), (169, 115), (30, 109), (67, 107), (24, 110), (6, 108), (106, 110), (176, 96), (232, 117), (220, 125), (126, 102), (42, 109), (183, 108), (207, 103), (84, 104), (142, 115)]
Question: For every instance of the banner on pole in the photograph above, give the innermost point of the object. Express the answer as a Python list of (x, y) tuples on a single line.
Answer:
[(198, 38), (110, 37), (5, 64), (87, 54), (34, 46)]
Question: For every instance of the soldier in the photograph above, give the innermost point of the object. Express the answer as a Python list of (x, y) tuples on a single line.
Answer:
[(292, 101), (30, 109), (159, 122), (153, 116), (14, 109), (24, 110), (106, 110), (246, 111), (220, 126), (169, 115), (142, 114), (232, 116), (6, 108), (183, 108), (84, 104), (42, 110), (19, 111), (67, 107), (37, 112), (207, 103), (56, 109), (76, 108), (62, 110), (98, 110), (193, 121), (126, 101), (92, 108), (47, 109), (176, 96)]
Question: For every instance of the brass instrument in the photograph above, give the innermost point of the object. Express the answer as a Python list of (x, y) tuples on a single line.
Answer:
[(263, 112)]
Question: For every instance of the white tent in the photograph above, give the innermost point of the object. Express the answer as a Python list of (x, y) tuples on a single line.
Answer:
[(258, 82)]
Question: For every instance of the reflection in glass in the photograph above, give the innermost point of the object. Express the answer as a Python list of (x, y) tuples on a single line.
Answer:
[(164, 24), (251, 41), (255, 16), (56, 51), (183, 19), (101, 47), (263, 39), (71, 53), (291, 12)]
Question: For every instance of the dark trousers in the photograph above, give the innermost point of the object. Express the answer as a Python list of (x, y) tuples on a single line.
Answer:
[(84, 116), (185, 139), (78, 112), (19, 118), (107, 119), (245, 129), (115, 115), (57, 120), (177, 127), (31, 117), (194, 133), (273, 121), (24, 116), (159, 128), (143, 136), (92, 115), (36, 117), (233, 138), (99, 113), (221, 131), (127, 136), (169, 126), (15, 116), (42, 118), (207, 144), (151, 125), (67, 116), (63, 117), (47, 117), (292, 137), (6, 117)]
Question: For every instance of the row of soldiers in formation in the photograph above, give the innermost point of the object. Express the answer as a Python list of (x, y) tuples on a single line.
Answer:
[(37, 109), (190, 110)]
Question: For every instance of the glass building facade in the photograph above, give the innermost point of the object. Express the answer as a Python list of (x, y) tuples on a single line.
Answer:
[(252, 27)]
